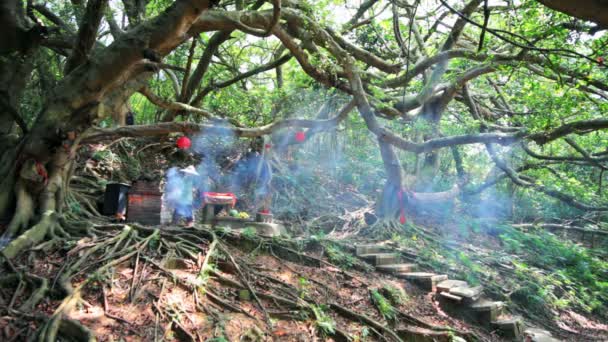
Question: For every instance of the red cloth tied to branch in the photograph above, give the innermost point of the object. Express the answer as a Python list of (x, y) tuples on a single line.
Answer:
[(402, 219), (219, 198), (42, 172)]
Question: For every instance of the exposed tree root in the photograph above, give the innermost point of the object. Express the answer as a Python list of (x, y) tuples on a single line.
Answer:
[(24, 211), (32, 236), (378, 326), (91, 261)]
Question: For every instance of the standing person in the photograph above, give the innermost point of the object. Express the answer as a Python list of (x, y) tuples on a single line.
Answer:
[(130, 119), (181, 194), (254, 171), (262, 194)]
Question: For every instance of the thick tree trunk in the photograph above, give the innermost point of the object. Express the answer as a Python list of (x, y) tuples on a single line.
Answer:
[(430, 167), (40, 164), (391, 200), (15, 70), (39, 188)]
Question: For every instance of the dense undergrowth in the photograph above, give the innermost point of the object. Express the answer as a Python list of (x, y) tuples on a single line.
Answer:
[(538, 271)]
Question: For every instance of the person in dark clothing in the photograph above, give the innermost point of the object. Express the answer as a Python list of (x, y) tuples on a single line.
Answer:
[(130, 119)]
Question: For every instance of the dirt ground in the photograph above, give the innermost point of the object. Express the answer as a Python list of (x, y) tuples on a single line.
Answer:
[(144, 301)]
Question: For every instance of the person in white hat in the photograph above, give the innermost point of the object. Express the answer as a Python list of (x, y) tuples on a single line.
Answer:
[(183, 196)]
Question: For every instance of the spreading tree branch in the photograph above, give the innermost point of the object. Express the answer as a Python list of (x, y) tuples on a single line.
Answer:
[(166, 128), (87, 34)]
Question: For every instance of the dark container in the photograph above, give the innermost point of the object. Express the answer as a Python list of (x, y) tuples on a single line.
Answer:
[(144, 205), (263, 217), (115, 198)]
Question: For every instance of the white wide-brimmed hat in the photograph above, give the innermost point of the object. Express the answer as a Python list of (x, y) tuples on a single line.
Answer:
[(190, 170)]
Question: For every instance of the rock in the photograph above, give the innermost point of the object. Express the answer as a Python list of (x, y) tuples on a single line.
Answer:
[(261, 228), (417, 334), (539, 335), (370, 218)]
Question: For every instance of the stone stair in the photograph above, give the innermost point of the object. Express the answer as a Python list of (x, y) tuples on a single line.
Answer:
[(456, 297)]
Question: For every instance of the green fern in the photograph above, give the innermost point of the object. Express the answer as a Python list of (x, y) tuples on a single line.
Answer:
[(249, 233), (395, 294), (383, 305), (323, 321)]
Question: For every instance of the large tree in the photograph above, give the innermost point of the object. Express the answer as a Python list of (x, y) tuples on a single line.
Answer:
[(516, 94)]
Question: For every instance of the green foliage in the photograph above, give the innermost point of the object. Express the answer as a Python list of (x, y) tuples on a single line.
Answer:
[(323, 321), (154, 242), (574, 276), (395, 294), (383, 305), (303, 287), (74, 206), (217, 339), (339, 257), (471, 277), (104, 155), (249, 233)]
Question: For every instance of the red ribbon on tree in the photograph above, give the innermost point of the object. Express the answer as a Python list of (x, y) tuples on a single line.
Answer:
[(183, 143), (42, 172), (402, 219)]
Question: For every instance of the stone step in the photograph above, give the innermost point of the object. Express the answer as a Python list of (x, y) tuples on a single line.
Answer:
[(483, 312), (486, 311), (446, 285), (379, 259), (396, 268), (427, 281), (416, 275), (486, 305), (511, 327), (449, 296), (470, 294), (368, 249)]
